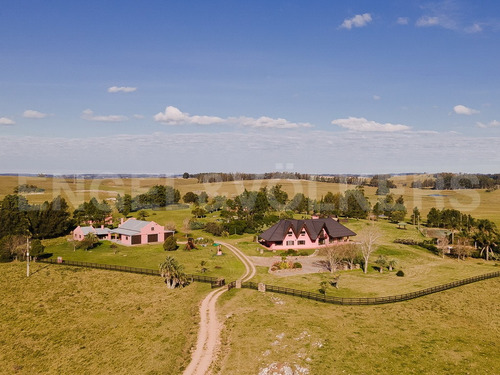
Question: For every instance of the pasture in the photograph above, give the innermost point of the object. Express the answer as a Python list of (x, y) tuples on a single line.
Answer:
[(70, 320), (453, 332)]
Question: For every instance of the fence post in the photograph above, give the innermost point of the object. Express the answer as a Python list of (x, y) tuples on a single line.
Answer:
[(261, 287)]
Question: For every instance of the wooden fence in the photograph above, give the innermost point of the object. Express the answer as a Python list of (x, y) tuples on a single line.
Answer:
[(214, 281), (365, 301)]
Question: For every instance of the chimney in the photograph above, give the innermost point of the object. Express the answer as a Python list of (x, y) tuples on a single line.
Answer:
[(121, 221), (102, 226)]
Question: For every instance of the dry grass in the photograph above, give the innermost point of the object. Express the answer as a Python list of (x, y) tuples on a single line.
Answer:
[(64, 320), (453, 332)]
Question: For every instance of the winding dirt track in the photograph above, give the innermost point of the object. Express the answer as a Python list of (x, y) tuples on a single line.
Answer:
[(209, 332)]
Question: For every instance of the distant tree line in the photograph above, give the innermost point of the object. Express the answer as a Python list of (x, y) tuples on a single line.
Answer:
[(456, 181)]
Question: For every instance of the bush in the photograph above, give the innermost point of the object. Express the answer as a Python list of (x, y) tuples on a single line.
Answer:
[(170, 244), (297, 265), (194, 225), (290, 252), (400, 273)]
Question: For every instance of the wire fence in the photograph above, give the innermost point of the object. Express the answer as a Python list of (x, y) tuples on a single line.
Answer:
[(364, 301), (214, 281)]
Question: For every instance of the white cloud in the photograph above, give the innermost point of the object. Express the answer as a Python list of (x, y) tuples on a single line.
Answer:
[(376, 97), (363, 125), (88, 114), (403, 20), (491, 124), (174, 116), (268, 122), (475, 28), (137, 116), (358, 20), (29, 113), (6, 121), (125, 89), (427, 21), (463, 110)]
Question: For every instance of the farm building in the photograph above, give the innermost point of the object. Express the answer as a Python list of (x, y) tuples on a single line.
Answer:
[(137, 232), (305, 234), (80, 232)]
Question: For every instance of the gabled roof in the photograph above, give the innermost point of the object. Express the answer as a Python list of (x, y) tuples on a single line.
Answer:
[(134, 224), (313, 227), (98, 231)]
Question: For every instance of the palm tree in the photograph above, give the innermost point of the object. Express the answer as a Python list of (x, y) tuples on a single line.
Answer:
[(486, 237), (173, 273)]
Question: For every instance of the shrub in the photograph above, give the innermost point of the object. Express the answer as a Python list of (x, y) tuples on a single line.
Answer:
[(290, 252), (170, 244), (297, 265), (400, 273), (194, 225)]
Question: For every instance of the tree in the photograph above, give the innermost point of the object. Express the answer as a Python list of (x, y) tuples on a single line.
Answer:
[(142, 215), (13, 216), (173, 273), (89, 242), (36, 249), (202, 198), (127, 204), (334, 258), (381, 262), (486, 236), (277, 197), (368, 238), (12, 246), (170, 244), (190, 197), (415, 216), (185, 175)]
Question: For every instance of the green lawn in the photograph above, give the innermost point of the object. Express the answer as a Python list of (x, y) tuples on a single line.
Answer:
[(150, 256), (69, 320), (453, 332)]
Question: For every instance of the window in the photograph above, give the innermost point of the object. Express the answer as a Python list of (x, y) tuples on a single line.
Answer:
[(290, 233), (303, 233), (152, 228), (290, 243), (301, 242)]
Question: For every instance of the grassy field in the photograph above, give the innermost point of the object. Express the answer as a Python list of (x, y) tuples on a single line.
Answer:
[(150, 256), (478, 203), (68, 320), (454, 332)]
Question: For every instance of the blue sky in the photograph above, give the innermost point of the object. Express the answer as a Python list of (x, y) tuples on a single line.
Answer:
[(308, 86)]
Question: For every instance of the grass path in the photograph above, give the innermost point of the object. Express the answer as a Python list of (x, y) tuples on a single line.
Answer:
[(210, 327)]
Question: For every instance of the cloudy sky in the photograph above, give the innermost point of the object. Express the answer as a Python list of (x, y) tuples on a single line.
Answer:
[(308, 86)]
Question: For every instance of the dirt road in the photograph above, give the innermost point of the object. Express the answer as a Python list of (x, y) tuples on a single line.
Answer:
[(210, 327)]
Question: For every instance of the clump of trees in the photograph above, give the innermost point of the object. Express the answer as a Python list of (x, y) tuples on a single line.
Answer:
[(27, 188), (92, 212), (395, 210)]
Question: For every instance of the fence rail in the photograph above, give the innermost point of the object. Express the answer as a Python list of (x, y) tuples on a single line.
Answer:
[(214, 281), (369, 300)]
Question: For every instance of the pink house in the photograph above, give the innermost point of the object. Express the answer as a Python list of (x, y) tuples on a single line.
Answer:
[(102, 233), (305, 234), (137, 232)]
